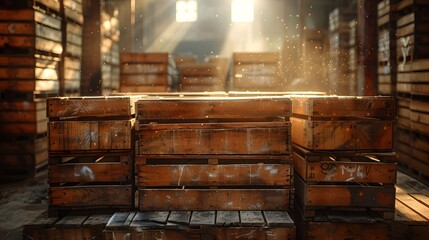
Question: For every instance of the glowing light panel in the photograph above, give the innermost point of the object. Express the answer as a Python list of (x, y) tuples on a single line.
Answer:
[(242, 10), (186, 11)]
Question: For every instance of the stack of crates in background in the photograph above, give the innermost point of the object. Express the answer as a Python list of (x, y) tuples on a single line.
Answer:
[(413, 88), (213, 165), (256, 72), (353, 56), (91, 152), (147, 72), (109, 29), (203, 76), (345, 170), (387, 61), (30, 53), (71, 63), (339, 35)]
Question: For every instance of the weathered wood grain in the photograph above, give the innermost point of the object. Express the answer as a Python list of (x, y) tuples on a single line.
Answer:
[(149, 109), (215, 139), (91, 196), (214, 175), (90, 135), (369, 135), (214, 199)]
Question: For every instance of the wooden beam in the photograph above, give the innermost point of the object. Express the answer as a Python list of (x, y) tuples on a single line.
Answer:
[(367, 31)]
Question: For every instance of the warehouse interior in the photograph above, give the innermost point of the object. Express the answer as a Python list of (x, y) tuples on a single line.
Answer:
[(214, 119)]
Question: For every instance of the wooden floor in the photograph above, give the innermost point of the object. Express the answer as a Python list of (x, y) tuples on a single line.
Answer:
[(411, 221), (412, 209)]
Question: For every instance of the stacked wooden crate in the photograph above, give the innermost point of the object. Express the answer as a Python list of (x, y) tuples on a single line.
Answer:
[(254, 71), (109, 29), (339, 35), (353, 57), (387, 61), (73, 20), (203, 76), (198, 157), (30, 52), (345, 168), (146, 72), (413, 87), (91, 152)]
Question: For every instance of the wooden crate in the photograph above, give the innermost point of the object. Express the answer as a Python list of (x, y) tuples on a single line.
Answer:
[(412, 212), (23, 156), (211, 138), (201, 225), (331, 167), (150, 71), (352, 225), (377, 198), (23, 117), (112, 107), (89, 182), (254, 71), (91, 136), (343, 123), (88, 226), (213, 171), (201, 77), (29, 30), (207, 109)]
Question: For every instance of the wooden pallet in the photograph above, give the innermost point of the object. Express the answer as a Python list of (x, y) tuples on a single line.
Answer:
[(201, 225), (412, 209), (70, 227)]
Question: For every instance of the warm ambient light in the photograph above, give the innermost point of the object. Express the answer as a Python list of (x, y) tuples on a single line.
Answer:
[(242, 11), (186, 11)]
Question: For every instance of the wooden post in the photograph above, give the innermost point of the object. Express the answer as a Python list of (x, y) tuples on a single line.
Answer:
[(91, 52), (126, 24), (367, 29)]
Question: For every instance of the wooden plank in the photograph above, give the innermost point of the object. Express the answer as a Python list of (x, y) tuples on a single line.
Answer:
[(111, 106), (144, 57), (142, 89), (314, 195), (216, 140), (214, 199), (24, 128), (255, 57), (342, 135), (179, 217), (325, 230), (216, 175), (212, 108), (252, 219), (147, 79), (142, 68), (70, 221), (91, 196), (418, 207), (254, 233), (344, 106), (89, 172), (227, 218), (90, 135), (201, 218), (120, 220), (149, 220), (278, 218), (345, 171)]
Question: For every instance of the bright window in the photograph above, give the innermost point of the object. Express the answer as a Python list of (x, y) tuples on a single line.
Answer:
[(186, 11), (242, 10)]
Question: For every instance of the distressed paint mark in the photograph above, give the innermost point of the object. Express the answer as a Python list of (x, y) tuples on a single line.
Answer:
[(353, 171), (180, 176), (85, 172), (405, 49), (248, 235)]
